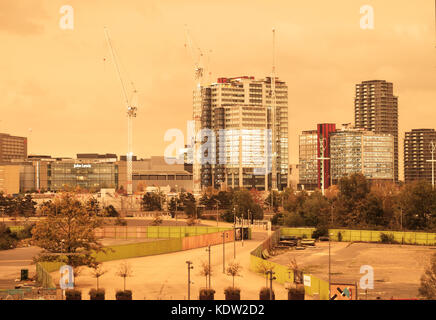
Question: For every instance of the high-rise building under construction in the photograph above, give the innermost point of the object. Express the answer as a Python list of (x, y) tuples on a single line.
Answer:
[(239, 113), (376, 109)]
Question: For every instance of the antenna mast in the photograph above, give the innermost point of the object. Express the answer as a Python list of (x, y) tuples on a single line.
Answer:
[(273, 118)]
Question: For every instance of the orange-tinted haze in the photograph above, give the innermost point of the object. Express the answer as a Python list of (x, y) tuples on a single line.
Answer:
[(62, 83)]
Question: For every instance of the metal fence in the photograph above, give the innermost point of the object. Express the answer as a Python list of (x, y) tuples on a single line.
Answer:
[(155, 232)]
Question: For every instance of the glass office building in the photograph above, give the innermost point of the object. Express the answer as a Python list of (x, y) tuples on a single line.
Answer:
[(359, 151), (89, 176)]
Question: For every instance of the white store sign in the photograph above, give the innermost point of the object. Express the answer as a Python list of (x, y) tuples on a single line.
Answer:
[(307, 281)]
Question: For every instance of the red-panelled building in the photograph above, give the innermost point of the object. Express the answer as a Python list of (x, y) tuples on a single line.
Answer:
[(324, 130)]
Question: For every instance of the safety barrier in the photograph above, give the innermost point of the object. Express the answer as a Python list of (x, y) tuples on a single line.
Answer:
[(154, 232), (417, 238), (297, 232), (199, 238), (284, 274), (43, 269)]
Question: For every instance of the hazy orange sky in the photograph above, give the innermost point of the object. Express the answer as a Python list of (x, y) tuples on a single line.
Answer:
[(57, 83)]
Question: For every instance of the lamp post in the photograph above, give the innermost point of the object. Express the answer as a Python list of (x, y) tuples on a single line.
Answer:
[(190, 266), (224, 235), (330, 234), (271, 278), (217, 202), (322, 159), (208, 250), (433, 149)]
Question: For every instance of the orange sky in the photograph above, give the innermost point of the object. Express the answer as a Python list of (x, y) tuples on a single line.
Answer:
[(56, 82)]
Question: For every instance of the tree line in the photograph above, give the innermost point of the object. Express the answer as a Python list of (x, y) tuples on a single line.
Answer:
[(357, 203)]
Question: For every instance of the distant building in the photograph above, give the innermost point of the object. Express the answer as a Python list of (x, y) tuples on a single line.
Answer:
[(417, 152), (376, 110), (359, 151), (308, 165), (155, 172), (12, 148), (314, 144), (10, 179), (91, 172), (241, 107)]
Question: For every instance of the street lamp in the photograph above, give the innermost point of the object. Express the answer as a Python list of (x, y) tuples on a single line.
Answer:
[(190, 266), (217, 202), (433, 149), (224, 236), (271, 278), (208, 250), (330, 234)]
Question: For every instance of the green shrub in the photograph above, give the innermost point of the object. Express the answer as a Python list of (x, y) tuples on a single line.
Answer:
[(8, 240), (207, 294), (97, 294), (320, 231), (296, 293), (26, 232), (124, 295), (73, 294), (339, 236), (232, 293), (387, 238)]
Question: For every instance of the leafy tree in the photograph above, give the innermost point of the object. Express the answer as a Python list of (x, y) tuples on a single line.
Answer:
[(110, 211), (428, 281), (244, 203), (152, 201), (418, 202), (68, 232), (172, 206), (92, 205), (7, 239), (273, 199)]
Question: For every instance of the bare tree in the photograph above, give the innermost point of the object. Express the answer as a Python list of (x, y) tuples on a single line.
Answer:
[(98, 271), (234, 270), (205, 271), (124, 271), (428, 281), (265, 267), (295, 268)]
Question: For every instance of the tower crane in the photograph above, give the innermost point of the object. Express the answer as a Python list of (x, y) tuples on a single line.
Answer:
[(131, 113), (196, 55)]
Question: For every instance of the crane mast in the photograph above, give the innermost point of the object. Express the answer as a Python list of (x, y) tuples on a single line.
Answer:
[(197, 110), (131, 113)]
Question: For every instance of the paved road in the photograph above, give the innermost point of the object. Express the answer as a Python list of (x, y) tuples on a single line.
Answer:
[(165, 276)]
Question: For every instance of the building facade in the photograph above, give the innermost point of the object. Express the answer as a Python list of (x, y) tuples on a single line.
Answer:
[(10, 179), (313, 145), (308, 163), (417, 153), (360, 151), (12, 148), (238, 112), (155, 172), (376, 110)]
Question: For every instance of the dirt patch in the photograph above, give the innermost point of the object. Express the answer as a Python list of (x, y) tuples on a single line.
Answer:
[(397, 268)]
